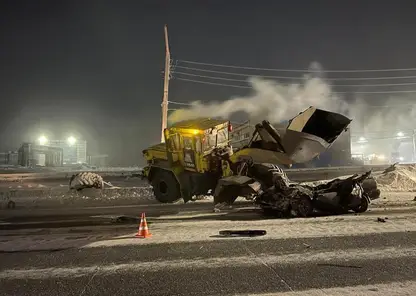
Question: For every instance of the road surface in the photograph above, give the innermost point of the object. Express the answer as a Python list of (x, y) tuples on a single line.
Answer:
[(338, 255)]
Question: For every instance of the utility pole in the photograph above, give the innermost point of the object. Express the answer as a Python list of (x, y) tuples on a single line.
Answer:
[(414, 145), (165, 86)]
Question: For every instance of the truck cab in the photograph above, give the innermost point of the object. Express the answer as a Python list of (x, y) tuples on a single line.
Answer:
[(187, 155)]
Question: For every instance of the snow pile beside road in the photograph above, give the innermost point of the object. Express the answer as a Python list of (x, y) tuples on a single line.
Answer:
[(50, 198), (402, 178)]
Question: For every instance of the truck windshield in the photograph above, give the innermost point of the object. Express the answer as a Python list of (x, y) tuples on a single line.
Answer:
[(213, 140), (222, 136)]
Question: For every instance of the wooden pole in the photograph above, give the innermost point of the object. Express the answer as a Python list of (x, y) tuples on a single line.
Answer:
[(165, 101)]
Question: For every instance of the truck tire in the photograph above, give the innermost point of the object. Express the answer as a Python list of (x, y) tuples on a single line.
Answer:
[(165, 187), (84, 180)]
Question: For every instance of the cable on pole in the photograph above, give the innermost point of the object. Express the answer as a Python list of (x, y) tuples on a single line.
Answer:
[(334, 85), (212, 83), (297, 70), (294, 77), (344, 92)]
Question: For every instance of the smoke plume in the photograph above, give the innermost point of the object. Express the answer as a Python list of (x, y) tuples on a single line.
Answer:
[(277, 102), (269, 100)]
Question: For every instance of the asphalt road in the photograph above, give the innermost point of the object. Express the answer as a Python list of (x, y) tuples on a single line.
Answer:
[(221, 267), (130, 213), (83, 251)]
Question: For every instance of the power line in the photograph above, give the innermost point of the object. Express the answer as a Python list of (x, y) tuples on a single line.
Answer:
[(179, 103), (210, 77), (355, 92), (334, 85), (293, 77), (360, 104), (296, 70), (211, 83)]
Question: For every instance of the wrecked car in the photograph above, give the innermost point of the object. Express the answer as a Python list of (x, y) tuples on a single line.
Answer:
[(270, 188), (259, 178), (297, 200)]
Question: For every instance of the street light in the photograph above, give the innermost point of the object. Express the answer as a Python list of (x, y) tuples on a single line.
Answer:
[(400, 134), (43, 140), (71, 140)]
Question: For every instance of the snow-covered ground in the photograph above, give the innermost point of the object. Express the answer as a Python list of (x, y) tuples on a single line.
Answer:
[(397, 189), (194, 227), (407, 288)]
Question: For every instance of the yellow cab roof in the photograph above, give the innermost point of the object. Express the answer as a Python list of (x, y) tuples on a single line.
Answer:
[(198, 123)]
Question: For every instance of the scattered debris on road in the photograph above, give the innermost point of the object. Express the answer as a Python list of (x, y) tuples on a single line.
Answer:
[(249, 233)]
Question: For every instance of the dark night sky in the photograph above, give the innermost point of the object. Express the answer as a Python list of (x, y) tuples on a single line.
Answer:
[(93, 68)]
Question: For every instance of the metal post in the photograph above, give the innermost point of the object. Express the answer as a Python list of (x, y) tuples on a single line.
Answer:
[(165, 86)]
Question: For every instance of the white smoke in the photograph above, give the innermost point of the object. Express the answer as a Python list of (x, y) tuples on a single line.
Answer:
[(269, 100), (393, 114), (277, 102)]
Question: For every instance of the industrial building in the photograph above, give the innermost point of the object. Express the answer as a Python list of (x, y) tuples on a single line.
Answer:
[(74, 151), (9, 158), (31, 155), (97, 160), (52, 153), (384, 147)]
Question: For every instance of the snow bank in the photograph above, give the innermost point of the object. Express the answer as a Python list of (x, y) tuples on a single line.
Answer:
[(402, 178), (51, 198)]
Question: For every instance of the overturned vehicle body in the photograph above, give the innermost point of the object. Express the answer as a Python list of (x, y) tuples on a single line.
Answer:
[(300, 200), (260, 176)]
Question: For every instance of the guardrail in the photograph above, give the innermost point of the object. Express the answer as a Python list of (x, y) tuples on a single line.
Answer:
[(60, 175), (306, 174)]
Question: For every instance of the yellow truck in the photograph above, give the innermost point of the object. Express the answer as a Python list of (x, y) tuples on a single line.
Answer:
[(197, 154)]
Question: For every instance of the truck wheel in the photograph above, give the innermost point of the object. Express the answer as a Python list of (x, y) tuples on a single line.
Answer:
[(84, 180), (165, 187)]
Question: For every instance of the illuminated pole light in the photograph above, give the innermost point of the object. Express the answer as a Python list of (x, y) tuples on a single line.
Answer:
[(43, 140), (71, 140)]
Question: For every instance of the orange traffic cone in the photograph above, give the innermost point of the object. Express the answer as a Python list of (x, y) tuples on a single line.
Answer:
[(143, 229)]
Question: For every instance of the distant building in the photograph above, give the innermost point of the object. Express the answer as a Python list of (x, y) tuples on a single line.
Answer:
[(72, 152), (97, 160), (9, 158), (31, 155)]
